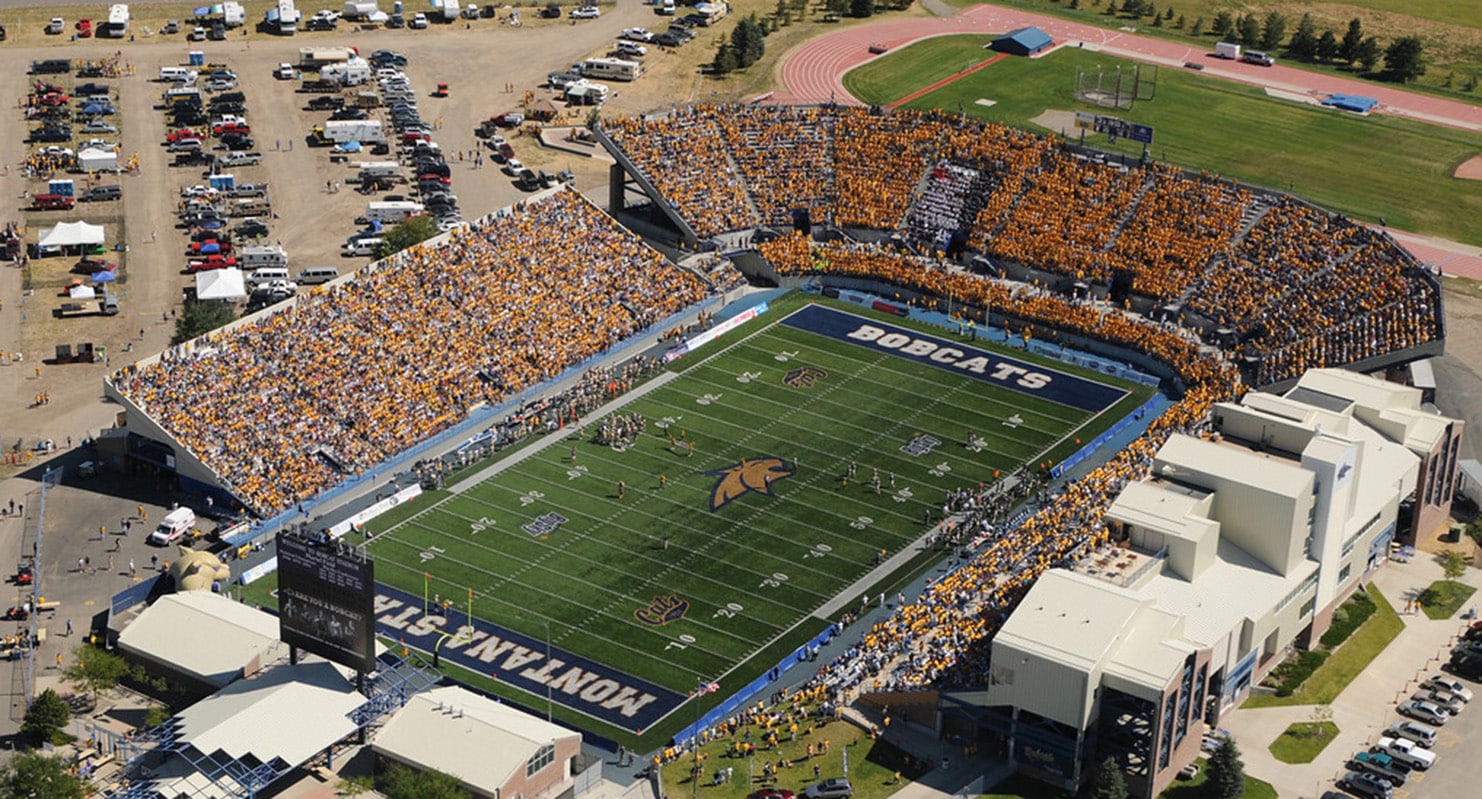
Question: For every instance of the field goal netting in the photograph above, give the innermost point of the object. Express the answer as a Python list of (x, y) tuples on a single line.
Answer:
[(1118, 88)]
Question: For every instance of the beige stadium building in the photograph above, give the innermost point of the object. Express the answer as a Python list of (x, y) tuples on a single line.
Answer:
[(1236, 549)]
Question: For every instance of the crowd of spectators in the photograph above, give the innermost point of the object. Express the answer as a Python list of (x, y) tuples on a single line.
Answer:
[(287, 405)]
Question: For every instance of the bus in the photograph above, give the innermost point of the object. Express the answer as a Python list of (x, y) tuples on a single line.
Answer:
[(611, 69)]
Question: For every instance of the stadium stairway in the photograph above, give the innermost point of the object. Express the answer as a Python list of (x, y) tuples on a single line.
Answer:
[(1147, 185)]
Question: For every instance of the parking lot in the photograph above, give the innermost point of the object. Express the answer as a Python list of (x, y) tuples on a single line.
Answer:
[(1366, 709), (308, 216)]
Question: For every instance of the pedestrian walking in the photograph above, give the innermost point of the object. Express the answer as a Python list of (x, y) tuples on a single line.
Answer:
[(132, 572), (666, 540), (622, 488), (69, 628)]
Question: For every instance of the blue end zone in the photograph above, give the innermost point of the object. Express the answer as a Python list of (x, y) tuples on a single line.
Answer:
[(585, 686), (1025, 378)]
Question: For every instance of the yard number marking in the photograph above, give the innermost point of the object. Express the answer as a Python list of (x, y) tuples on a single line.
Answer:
[(683, 643), (432, 552), (728, 612), (862, 522), (940, 470), (530, 498), (902, 495), (775, 581), (1013, 421), (747, 377), (819, 551), (481, 525), (784, 356), (706, 399), (575, 472)]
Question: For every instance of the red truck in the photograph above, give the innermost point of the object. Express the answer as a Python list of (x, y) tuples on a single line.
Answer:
[(52, 202)]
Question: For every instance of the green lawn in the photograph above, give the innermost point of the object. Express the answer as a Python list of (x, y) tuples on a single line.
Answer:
[(872, 764), (885, 80), (1370, 168), (1351, 658), (1444, 597), (1304, 741), (1194, 789)]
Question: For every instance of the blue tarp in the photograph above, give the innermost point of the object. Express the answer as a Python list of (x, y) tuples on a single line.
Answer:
[(104, 276), (1024, 41), (1356, 103)]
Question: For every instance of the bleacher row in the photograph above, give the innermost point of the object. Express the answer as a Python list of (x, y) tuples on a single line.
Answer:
[(1293, 282), (289, 404)]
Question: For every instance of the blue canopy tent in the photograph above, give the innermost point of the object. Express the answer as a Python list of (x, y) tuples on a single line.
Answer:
[(105, 276), (1357, 103)]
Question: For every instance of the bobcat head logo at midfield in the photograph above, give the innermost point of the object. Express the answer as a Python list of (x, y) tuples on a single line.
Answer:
[(803, 377), (662, 610), (751, 474)]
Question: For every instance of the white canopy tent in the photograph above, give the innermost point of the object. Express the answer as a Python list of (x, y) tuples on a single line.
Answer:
[(71, 234), (227, 285)]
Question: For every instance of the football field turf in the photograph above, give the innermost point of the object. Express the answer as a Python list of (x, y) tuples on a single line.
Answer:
[(730, 524)]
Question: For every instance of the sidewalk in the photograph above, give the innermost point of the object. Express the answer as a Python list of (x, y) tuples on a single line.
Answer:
[(1367, 705)]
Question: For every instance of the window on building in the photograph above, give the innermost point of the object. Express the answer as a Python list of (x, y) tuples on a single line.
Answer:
[(1344, 572), (544, 757)]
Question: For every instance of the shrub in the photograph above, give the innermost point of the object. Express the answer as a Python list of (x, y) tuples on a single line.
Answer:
[(1294, 672), (1347, 618)]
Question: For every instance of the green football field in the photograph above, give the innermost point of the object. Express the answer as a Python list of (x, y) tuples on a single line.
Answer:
[(735, 525)]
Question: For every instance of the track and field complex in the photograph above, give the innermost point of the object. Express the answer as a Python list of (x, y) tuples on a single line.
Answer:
[(729, 531)]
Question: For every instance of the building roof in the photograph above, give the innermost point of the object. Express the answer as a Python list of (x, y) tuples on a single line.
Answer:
[(1170, 508), (476, 739), (224, 637), (1070, 619), (1030, 38), (287, 712), (1278, 476)]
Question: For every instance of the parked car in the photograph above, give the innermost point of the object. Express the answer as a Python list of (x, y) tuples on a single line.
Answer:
[(98, 126), (631, 48), (1424, 712), (101, 193), (52, 202), (251, 229), (1445, 700), (210, 262), (326, 103), (585, 12), (419, 21), (637, 34), (831, 788), (1381, 765), (1414, 731), (48, 133), (1367, 786)]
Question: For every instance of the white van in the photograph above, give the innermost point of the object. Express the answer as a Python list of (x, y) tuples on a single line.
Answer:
[(266, 274), (179, 75), (176, 523), (366, 246), (263, 256), (316, 274)]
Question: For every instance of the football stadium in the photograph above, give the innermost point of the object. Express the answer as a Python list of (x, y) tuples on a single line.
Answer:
[(809, 363)]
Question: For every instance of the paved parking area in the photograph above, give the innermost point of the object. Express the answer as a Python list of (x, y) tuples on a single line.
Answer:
[(1367, 707)]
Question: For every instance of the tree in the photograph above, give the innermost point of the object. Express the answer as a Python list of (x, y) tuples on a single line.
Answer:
[(748, 42), (1273, 31), (1452, 564), (1198, 29), (1368, 54), (1223, 23), (45, 717), (407, 233), (1180, 23), (725, 59), (1250, 30), (1111, 8), (861, 8), (1107, 783), (1226, 773), (1327, 46), (33, 775), (1353, 38), (1157, 21), (94, 670), (155, 716), (782, 13), (1075, 4), (1403, 59), (400, 782), (199, 317), (1304, 42)]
